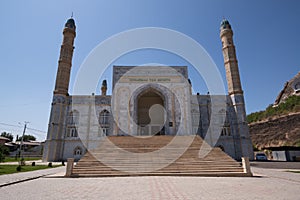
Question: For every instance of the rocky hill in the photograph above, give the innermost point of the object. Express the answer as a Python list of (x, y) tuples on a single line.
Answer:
[(276, 131), (279, 124), (291, 88)]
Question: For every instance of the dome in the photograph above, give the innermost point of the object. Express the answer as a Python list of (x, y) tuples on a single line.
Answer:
[(104, 83), (225, 24), (70, 23)]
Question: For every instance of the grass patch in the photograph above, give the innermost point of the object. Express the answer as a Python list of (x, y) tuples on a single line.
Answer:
[(10, 169), (12, 159)]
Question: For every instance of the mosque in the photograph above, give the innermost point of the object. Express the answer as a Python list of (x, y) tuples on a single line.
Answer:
[(146, 101)]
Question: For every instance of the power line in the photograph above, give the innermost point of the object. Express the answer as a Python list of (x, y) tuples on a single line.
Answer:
[(14, 131), (5, 124), (11, 128), (10, 125), (33, 129), (18, 126), (24, 104)]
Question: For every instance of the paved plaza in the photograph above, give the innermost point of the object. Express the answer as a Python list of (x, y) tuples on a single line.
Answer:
[(268, 183)]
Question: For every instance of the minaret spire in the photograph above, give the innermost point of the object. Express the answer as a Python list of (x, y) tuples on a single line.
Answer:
[(65, 58), (104, 88), (54, 144), (230, 60), (243, 142)]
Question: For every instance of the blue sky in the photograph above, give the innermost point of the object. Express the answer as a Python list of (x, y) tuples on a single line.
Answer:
[(266, 36)]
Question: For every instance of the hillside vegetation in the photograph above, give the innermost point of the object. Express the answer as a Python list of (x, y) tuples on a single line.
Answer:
[(291, 105)]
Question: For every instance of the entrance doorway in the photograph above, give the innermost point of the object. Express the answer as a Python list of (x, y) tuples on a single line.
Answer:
[(150, 113)]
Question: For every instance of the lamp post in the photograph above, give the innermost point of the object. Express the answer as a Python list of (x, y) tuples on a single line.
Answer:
[(21, 145)]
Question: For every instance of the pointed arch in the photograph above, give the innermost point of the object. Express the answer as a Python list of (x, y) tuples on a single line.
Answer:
[(73, 117), (104, 122), (78, 151), (104, 117), (72, 122)]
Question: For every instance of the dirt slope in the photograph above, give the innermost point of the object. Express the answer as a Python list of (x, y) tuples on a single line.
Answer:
[(280, 131)]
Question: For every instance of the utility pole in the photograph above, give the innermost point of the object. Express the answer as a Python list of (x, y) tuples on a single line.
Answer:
[(24, 130)]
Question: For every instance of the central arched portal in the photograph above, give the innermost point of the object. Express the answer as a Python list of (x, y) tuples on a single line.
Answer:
[(151, 113)]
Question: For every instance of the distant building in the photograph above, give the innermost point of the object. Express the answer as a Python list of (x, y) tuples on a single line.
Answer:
[(3, 140), (285, 153), (150, 86), (27, 145)]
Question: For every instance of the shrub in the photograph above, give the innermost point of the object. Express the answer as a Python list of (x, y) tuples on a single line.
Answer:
[(292, 104), (19, 168), (3, 152)]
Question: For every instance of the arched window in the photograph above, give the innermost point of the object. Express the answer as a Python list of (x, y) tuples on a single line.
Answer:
[(104, 122), (73, 117), (226, 131), (104, 118), (72, 121), (72, 132), (78, 151)]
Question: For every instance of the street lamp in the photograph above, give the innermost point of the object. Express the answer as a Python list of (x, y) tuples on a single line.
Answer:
[(21, 145)]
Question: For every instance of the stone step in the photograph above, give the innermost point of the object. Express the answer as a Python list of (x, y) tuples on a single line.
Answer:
[(162, 170), (216, 162), (203, 174)]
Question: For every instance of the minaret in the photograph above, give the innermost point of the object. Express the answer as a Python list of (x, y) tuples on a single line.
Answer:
[(65, 59), (235, 91), (54, 145), (104, 88), (230, 60)]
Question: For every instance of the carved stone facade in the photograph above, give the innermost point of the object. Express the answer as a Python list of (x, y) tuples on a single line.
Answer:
[(149, 100), (167, 85)]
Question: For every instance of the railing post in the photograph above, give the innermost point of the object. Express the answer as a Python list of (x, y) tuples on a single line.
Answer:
[(69, 168), (246, 166)]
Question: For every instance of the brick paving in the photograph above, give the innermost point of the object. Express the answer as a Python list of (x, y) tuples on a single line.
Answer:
[(274, 184)]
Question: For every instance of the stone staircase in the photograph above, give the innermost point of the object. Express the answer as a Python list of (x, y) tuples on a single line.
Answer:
[(156, 156)]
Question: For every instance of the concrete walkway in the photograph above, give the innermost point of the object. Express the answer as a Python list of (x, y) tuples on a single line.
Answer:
[(268, 184), (282, 174), (25, 176)]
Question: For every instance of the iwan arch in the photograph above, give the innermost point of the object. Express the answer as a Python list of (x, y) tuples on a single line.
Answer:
[(146, 101), (149, 109), (156, 98)]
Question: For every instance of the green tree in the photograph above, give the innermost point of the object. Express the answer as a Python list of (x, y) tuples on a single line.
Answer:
[(7, 135), (27, 138), (292, 104), (3, 152)]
